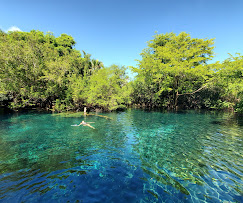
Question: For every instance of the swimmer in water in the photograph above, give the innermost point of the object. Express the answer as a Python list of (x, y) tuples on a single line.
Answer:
[(86, 124)]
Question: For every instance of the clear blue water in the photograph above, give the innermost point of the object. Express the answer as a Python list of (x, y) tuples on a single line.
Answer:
[(135, 156)]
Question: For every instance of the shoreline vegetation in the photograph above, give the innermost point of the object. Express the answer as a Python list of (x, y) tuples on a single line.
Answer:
[(39, 70)]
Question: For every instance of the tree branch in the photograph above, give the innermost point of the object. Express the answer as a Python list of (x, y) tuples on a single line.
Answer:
[(194, 91)]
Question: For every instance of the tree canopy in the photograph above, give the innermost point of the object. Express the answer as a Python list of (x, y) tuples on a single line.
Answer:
[(174, 72), (39, 69)]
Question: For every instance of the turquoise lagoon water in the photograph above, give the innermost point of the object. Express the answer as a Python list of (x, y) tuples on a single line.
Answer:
[(136, 156)]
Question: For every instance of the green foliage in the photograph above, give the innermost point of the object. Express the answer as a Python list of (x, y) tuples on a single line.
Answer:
[(38, 69), (107, 89), (229, 79), (171, 66)]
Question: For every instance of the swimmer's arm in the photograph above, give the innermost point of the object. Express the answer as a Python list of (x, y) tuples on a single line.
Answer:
[(89, 126)]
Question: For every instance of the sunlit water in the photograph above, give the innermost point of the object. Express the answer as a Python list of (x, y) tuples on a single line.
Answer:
[(135, 156)]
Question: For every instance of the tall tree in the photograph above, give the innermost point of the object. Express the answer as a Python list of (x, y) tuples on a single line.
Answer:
[(229, 81), (107, 88), (173, 65)]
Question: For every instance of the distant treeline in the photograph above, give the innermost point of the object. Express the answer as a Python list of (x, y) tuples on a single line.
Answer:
[(41, 70)]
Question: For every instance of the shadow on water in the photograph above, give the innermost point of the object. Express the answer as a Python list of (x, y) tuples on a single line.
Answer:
[(135, 155)]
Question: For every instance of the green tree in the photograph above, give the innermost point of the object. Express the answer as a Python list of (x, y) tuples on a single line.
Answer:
[(38, 69), (107, 88), (229, 81), (172, 66), (35, 68)]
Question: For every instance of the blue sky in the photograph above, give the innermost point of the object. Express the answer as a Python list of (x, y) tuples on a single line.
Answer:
[(116, 31)]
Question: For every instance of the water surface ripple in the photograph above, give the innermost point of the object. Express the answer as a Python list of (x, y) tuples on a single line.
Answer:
[(133, 156)]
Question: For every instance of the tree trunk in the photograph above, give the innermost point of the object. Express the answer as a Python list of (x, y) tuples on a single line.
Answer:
[(176, 100)]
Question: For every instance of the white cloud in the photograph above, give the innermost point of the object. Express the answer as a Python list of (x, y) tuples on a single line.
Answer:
[(14, 28)]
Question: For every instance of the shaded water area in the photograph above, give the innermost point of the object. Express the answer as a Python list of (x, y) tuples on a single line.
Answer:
[(135, 156)]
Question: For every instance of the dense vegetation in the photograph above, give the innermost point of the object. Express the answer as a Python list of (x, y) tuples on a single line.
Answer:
[(38, 69), (174, 73)]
